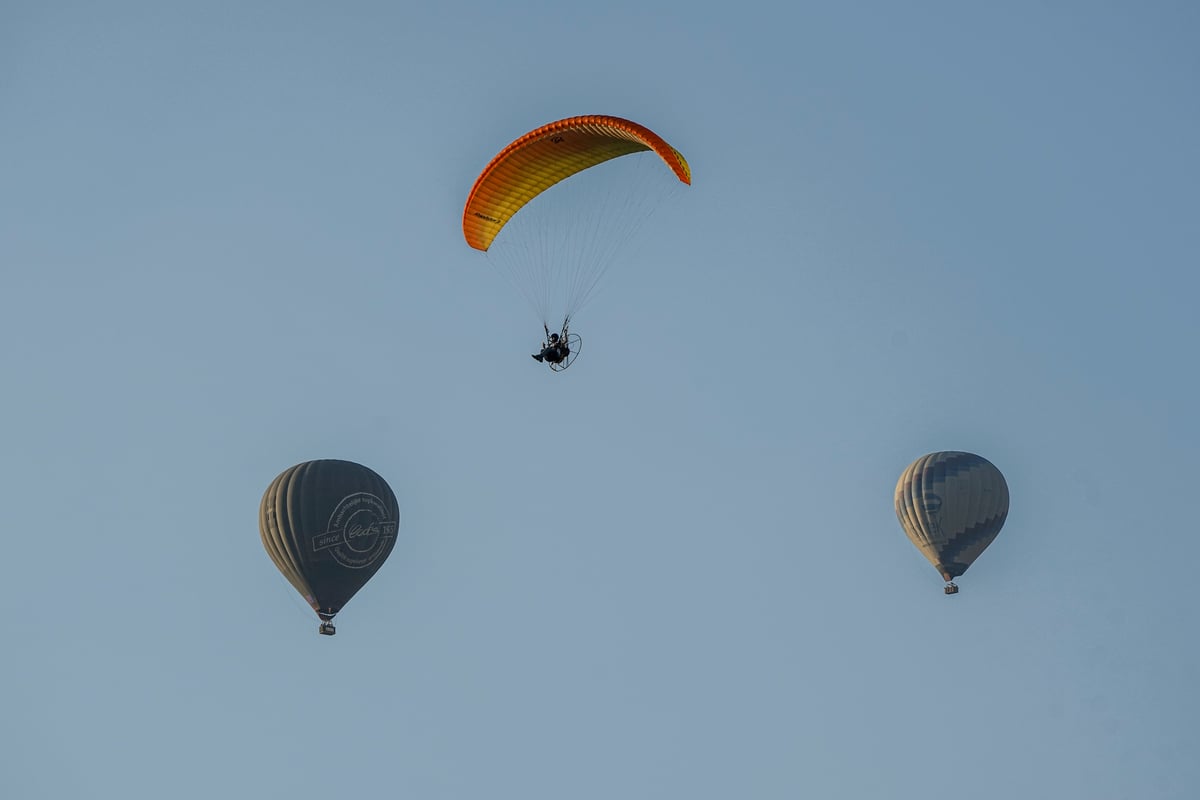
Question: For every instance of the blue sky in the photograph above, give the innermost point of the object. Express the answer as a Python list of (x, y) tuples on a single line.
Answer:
[(230, 241)]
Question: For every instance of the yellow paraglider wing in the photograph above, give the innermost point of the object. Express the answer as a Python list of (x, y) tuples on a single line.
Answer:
[(547, 155)]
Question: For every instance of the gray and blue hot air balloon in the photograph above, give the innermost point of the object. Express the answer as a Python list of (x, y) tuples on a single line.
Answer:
[(328, 525), (951, 505)]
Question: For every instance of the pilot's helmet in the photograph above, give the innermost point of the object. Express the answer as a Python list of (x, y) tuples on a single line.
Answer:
[(554, 337)]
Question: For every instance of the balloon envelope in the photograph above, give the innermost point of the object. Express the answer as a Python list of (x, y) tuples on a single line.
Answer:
[(328, 525), (951, 505)]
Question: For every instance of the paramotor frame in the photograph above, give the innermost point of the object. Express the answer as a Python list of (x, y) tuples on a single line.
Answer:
[(574, 343)]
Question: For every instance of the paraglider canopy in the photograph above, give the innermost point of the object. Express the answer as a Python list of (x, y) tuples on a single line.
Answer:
[(554, 207), (547, 155)]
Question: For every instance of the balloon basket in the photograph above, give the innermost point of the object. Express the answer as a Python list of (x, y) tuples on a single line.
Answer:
[(951, 588), (327, 629)]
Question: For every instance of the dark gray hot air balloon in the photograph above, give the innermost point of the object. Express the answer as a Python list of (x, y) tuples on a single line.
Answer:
[(951, 505), (328, 526)]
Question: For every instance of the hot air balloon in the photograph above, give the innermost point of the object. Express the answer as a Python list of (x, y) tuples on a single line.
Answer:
[(328, 525), (554, 207), (951, 505)]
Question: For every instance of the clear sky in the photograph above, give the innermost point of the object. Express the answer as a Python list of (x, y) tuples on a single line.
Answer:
[(230, 241)]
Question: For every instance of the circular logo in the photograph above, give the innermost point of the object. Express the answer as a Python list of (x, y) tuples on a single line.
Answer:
[(360, 531)]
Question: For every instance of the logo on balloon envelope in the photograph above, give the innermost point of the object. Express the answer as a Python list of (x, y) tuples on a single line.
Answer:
[(359, 531)]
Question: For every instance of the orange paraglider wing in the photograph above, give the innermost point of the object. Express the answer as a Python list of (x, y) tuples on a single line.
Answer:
[(547, 155)]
